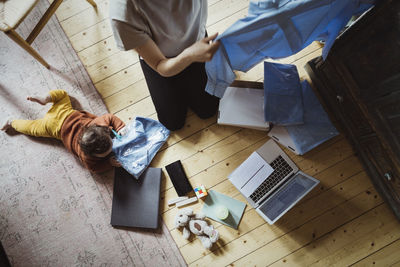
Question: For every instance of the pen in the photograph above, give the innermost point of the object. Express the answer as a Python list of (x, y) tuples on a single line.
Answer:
[(116, 134)]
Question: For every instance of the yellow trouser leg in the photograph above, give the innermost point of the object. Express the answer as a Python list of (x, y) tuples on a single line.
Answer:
[(50, 125), (31, 127)]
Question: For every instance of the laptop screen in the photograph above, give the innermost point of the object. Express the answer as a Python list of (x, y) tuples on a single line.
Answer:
[(286, 197)]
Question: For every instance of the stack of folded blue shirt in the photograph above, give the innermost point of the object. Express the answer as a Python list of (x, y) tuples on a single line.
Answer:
[(293, 105), (283, 103)]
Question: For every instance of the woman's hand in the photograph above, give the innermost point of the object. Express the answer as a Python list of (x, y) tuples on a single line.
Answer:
[(203, 50)]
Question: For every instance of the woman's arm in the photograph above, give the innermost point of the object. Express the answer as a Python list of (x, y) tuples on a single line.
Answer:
[(201, 51)]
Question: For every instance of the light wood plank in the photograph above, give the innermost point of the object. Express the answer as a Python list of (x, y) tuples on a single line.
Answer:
[(134, 93), (144, 108), (120, 81), (91, 35), (331, 176), (387, 256), (112, 65), (99, 51), (223, 9), (221, 25), (313, 164), (340, 239), (72, 8), (193, 124), (383, 230), (86, 18), (193, 144)]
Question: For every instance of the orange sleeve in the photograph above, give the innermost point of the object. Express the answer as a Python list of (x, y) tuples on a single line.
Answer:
[(117, 123), (109, 120)]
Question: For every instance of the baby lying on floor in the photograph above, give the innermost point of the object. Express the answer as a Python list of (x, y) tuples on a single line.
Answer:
[(87, 136)]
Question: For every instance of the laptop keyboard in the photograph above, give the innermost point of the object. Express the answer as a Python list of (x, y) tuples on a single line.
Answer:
[(281, 170)]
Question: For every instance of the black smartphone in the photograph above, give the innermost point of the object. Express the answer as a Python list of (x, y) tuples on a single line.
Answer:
[(179, 178)]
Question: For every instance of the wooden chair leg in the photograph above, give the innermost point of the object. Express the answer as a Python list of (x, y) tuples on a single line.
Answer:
[(42, 22), (93, 3), (20, 41)]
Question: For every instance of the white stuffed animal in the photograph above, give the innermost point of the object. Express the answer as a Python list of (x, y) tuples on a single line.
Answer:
[(196, 224)]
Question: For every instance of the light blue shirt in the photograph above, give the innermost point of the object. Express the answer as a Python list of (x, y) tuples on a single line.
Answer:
[(277, 29), (317, 127)]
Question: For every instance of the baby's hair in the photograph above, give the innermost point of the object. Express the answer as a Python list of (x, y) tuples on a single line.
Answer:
[(95, 139)]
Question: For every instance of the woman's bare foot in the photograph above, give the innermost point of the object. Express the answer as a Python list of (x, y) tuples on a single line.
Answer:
[(40, 100), (7, 125)]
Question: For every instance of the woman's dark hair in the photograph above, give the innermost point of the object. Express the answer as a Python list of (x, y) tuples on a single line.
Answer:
[(95, 139)]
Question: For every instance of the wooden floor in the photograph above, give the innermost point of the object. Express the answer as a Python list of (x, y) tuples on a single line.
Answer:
[(342, 222)]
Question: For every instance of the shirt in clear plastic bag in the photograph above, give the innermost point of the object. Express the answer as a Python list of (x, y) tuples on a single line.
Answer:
[(139, 143)]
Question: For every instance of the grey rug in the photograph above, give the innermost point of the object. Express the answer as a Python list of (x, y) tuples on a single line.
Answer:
[(53, 212)]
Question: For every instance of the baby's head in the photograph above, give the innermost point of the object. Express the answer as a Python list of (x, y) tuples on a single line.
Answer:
[(96, 141)]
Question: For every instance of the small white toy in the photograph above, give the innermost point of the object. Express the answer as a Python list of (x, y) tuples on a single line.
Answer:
[(195, 223)]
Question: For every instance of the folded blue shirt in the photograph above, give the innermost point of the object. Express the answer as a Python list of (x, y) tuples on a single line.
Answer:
[(277, 29), (317, 127), (283, 104), (136, 148)]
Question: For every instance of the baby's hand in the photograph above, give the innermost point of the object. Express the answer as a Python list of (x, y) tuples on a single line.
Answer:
[(114, 162), (123, 131)]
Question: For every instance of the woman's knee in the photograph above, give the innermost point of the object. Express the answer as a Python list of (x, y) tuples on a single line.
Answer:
[(205, 114), (207, 109), (172, 124)]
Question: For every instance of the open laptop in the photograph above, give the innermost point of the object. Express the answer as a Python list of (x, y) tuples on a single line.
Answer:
[(271, 182), (281, 135)]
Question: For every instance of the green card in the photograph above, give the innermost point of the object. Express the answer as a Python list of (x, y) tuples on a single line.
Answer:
[(213, 203)]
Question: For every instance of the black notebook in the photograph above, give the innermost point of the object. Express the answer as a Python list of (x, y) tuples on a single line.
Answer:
[(136, 201)]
